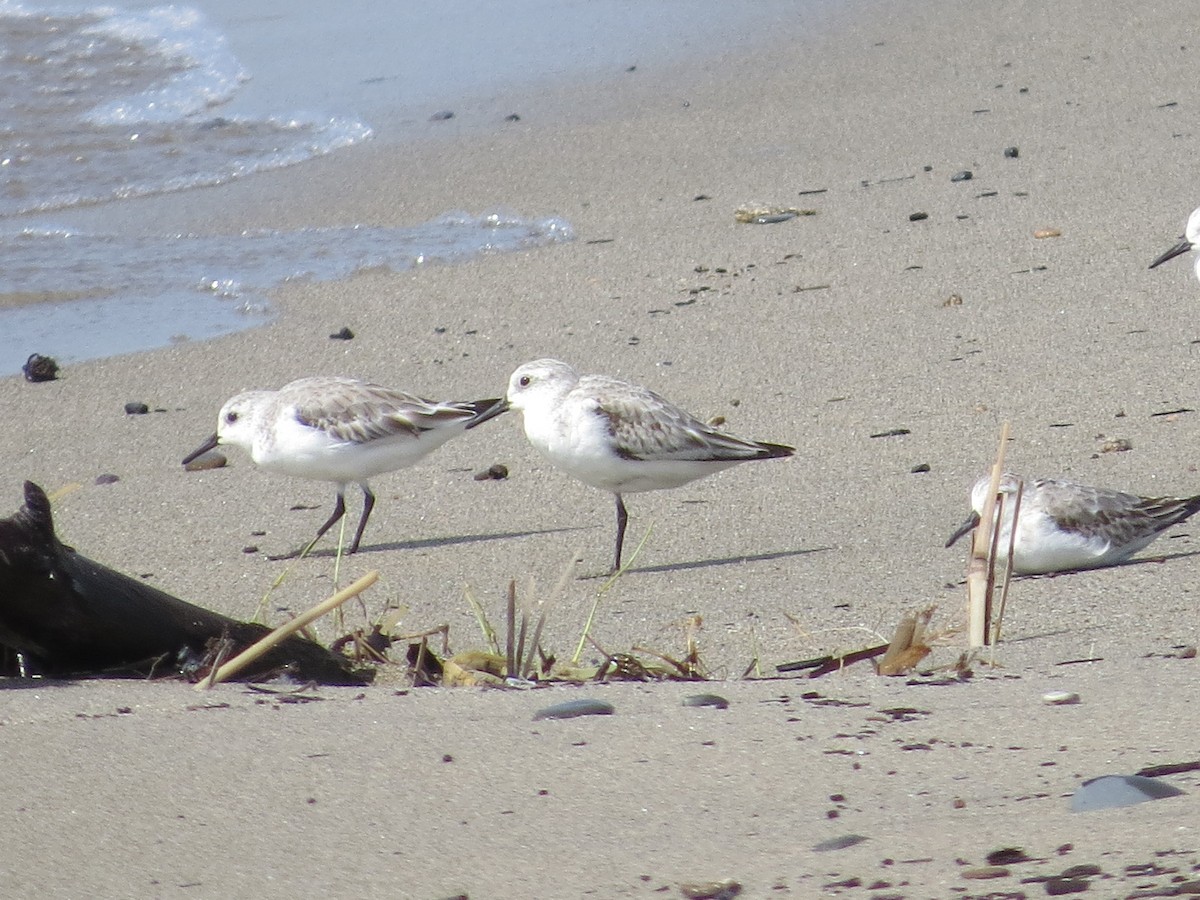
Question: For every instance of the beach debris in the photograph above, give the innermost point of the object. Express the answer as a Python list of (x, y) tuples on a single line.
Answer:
[(67, 615), (494, 472), (40, 368), (907, 647), (964, 175), (716, 701), (1169, 769), (135, 408), (442, 115), (920, 469), (758, 214), (711, 890), (1111, 791), (107, 478), (953, 300), (1011, 152), (1007, 856), (342, 334), (918, 216), (811, 191), (213, 459), (512, 117), (982, 873), (1116, 445), (891, 432), (572, 709), (1043, 233), (1060, 698)]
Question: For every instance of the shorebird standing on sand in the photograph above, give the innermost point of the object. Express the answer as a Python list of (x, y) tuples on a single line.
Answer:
[(1063, 526), (338, 429), (617, 436)]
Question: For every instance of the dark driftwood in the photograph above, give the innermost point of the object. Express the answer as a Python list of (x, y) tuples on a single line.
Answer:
[(67, 615)]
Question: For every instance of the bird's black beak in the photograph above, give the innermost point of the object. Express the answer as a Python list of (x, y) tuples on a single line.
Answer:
[(500, 406), (962, 529), (210, 444), (1178, 250)]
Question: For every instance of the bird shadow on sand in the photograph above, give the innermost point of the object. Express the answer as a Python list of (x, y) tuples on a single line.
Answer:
[(448, 541), (725, 561)]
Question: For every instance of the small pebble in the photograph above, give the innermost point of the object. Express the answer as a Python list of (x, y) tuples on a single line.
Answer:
[(1042, 233), (441, 116), (107, 479), (711, 890), (512, 117), (40, 368), (918, 216), (841, 842), (494, 472), (1060, 887), (964, 175), (133, 408), (1060, 698), (920, 468), (573, 708), (714, 700), (342, 334), (1011, 152), (213, 459)]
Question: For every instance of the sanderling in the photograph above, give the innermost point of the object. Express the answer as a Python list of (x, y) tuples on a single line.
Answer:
[(1191, 238), (617, 436), (338, 429), (1064, 526)]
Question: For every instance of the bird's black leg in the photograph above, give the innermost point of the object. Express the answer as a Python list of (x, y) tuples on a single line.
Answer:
[(339, 510), (368, 505), (622, 520)]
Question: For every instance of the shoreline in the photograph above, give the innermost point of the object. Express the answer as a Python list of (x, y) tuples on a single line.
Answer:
[(1070, 339)]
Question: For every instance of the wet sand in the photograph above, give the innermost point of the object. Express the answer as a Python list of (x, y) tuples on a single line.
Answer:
[(821, 332)]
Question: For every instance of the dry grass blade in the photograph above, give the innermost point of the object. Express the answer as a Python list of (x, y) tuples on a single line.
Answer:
[(285, 630), (908, 645), (980, 565)]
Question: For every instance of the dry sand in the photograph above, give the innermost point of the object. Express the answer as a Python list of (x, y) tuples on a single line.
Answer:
[(130, 789)]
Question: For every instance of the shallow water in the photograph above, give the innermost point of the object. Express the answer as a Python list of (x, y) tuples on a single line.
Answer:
[(102, 104)]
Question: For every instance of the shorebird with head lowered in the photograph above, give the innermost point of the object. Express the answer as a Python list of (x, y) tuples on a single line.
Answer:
[(342, 430), (618, 436), (1191, 237), (1062, 526)]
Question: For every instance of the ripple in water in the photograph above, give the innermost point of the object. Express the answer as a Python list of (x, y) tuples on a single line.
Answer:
[(83, 296), (105, 104)]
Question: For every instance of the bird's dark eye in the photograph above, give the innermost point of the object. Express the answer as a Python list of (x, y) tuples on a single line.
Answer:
[(230, 418), (524, 381)]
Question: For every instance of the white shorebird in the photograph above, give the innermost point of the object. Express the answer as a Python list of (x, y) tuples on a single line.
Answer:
[(1063, 526), (617, 436), (1191, 238), (338, 429)]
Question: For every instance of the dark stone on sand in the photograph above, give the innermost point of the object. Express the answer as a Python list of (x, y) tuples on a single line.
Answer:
[(512, 117), (964, 175), (841, 842), (133, 408), (1011, 152), (1110, 791), (213, 459), (1006, 856), (441, 116), (494, 472), (716, 701), (40, 368), (918, 216), (1060, 887), (342, 334), (920, 468), (107, 479), (574, 708), (69, 616)]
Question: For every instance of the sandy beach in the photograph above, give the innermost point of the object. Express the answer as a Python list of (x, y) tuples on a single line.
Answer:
[(823, 332)]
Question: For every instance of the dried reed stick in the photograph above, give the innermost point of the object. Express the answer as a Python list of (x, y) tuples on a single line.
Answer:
[(254, 651)]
